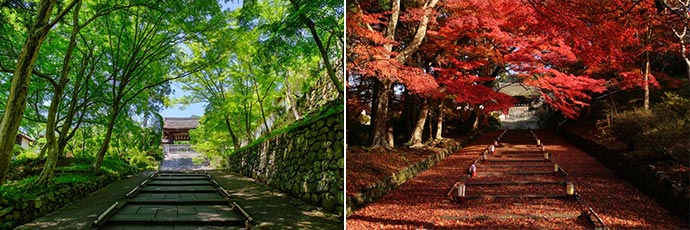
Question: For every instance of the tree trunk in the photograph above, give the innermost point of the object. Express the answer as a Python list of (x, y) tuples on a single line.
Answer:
[(475, 124), (379, 114), (646, 82), (322, 50), (288, 97), (412, 47), (235, 141), (21, 79), (106, 141), (416, 139), (55, 146), (439, 122), (44, 149), (51, 139), (50, 165)]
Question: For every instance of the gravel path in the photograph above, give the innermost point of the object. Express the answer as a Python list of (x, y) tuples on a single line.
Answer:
[(182, 159), (420, 202)]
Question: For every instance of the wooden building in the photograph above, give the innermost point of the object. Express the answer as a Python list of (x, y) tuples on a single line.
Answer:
[(23, 140), (177, 128)]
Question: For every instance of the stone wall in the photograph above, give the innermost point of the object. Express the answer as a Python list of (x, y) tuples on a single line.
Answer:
[(16, 212), (306, 163), (655, 184), (374, 191)]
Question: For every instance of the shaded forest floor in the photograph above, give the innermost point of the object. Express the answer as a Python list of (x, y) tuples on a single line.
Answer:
[(367, 166), (420, 202), (678, 172)]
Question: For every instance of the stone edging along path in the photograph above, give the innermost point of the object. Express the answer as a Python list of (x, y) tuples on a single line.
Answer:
[(374, 191), (16, 212), (655, 184)]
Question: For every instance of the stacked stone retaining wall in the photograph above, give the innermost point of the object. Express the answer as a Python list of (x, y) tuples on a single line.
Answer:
[(16, 212), (306, 163)]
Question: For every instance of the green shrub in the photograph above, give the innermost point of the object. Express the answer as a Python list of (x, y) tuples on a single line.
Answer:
[(24, 154), (142, 161), (662, 131)]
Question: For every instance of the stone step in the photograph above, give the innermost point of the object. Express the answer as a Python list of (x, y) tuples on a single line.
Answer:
[(178, 198), (179, 189), (181, 178), (180, 174), (179, 202), (170, 227), (490, 159), (513, 183), (515, 189), (515, 169), (187, 220), (531, 196), (495, 173), (549, 165), (179, 182), (514, 216)]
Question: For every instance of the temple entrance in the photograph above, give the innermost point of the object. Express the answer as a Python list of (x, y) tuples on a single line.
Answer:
[(177, 128), (179, 155)]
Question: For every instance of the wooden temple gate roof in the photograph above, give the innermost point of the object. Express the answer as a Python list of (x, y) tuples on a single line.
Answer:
[(177, 128)]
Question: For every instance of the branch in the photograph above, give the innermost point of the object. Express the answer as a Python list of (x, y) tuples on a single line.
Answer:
[(62, 14)]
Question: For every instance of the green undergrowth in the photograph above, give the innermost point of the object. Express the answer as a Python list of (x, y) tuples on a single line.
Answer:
[(78, 172), (327, 110)]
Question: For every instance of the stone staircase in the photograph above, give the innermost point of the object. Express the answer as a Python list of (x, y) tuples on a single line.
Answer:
[(176, 200), (520, 178)]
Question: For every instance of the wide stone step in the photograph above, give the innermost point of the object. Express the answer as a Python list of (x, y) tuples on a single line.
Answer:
[(205, 219), (498, 183), (179, 182), (514, 216), (170, 227), (179, 202), (531, 196), (178, 189), (178, 198), (181, 178), (490, 159), (516, 190), (499, 173), (513, 177), (549, 165), (179, 174)]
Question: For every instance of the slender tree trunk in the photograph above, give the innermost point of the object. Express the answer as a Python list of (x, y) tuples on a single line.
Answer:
[(475, 124), (439, 122), (324, 54), (106, 140), (44, 150), (646, 82), (21, 79), (683, 49), (416, 139), (288, 97), (51, 139), (235, 141)]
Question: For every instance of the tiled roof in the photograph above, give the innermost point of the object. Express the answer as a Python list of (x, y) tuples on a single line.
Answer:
[(181, 123)]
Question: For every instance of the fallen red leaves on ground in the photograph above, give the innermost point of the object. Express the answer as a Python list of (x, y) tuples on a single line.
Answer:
[(421, 201)]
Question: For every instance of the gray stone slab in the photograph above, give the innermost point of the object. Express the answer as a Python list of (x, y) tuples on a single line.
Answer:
[(190, 177), (147, 210), (130, 217), (186, 210), (180, 182), (178, 189)]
